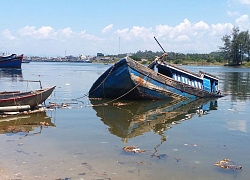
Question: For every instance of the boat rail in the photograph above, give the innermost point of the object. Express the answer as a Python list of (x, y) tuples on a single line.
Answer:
[(169, 81)]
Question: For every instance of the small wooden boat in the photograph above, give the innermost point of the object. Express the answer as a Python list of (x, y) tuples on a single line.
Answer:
[(128, 79), (11, 61), (17, 98)]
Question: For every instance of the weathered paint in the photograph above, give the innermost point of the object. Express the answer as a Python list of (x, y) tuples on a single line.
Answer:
[(129, 79)]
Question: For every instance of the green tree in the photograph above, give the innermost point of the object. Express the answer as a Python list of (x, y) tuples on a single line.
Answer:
[(236, 46), (135, 57), (247, 44)]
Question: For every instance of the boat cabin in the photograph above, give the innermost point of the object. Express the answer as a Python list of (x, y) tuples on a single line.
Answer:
[(201, 80)]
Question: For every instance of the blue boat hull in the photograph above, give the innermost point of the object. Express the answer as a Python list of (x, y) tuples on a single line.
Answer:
[(128, 79), (117, 83), (12, 61)]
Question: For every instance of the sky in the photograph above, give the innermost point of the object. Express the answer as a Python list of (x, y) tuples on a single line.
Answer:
[(72, 27)]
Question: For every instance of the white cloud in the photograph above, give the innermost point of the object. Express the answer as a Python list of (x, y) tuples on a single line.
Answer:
[(141, 32), (183, 26), (162, 30), (107, 28), (45, 32), (27, 31), (186, 36), (245, 2), (201, 26), (243, 22), (232, 14), (7, 34), (221, 29), (181, 29), (135, 32), (67, 32), (87, 36), (139, 38), (183, 38), (123, 33)]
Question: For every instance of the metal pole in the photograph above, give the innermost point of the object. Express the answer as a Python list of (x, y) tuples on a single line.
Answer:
[(160, 45)]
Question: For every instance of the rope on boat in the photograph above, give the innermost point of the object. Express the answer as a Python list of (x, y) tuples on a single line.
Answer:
[(123, 94), (75, 99), (87, 94), (29, 85), (104, 79), (15, 100)]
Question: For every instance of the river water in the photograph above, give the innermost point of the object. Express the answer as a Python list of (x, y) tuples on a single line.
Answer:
[(80, 141)]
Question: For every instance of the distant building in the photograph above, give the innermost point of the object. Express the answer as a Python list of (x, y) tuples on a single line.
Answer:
[(100, 55)]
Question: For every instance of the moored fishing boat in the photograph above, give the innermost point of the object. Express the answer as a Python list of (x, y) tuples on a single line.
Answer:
[(128, 79), (11, 61), (16, 100)]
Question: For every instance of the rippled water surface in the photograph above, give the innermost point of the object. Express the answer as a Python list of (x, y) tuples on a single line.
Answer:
[(179, 140)]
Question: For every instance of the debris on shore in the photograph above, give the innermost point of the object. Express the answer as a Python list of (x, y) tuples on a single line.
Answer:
[(133, 149), (6, 114), (227, 164), (53, 105)]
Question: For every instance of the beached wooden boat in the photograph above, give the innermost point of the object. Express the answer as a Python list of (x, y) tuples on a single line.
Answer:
[(17, 98), (128, 79), (11, 61)]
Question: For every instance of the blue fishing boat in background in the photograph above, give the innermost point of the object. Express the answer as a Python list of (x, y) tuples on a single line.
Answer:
[(11, 61), (128, 79)]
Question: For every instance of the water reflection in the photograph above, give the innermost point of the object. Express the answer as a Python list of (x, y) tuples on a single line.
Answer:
[(24, 124), (13, 74), (131, 119), (237, 84)]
